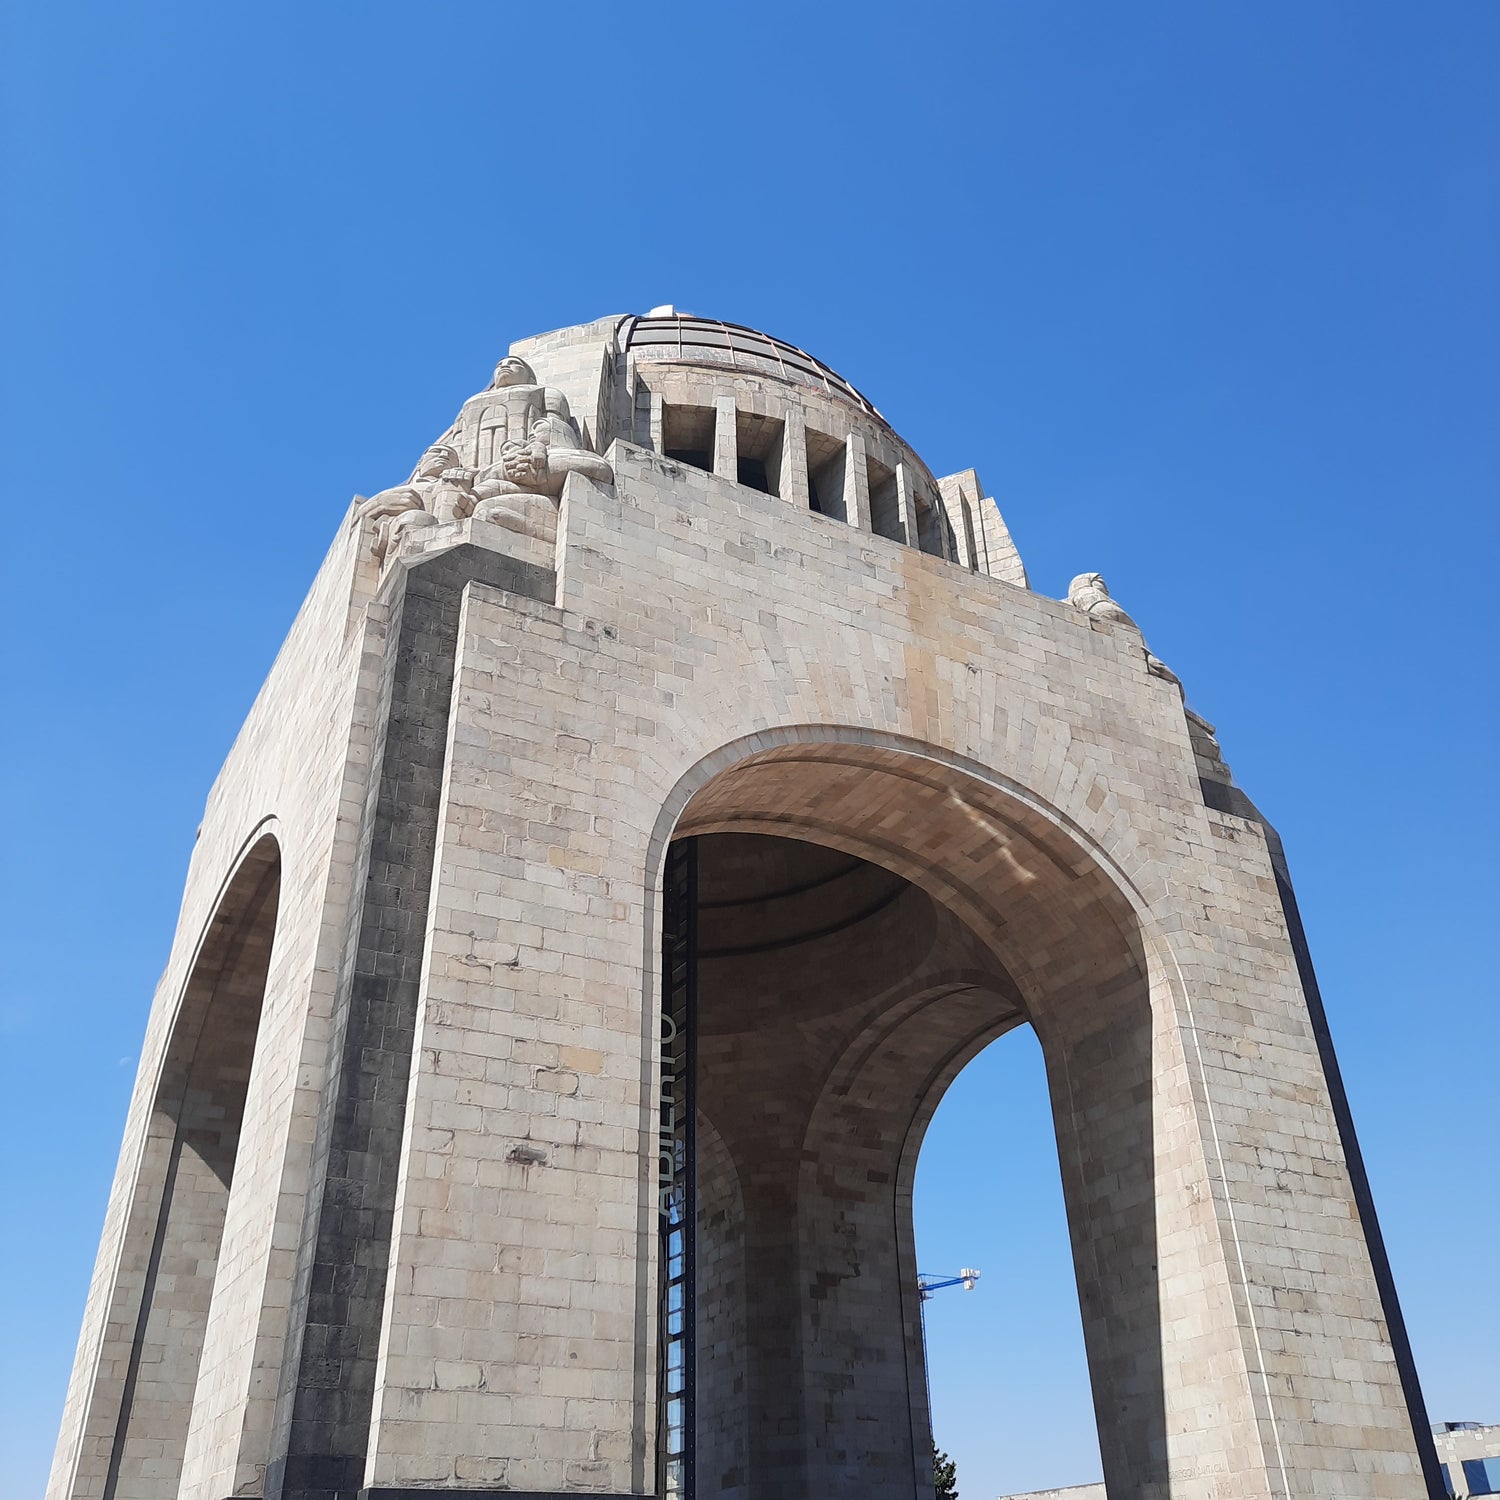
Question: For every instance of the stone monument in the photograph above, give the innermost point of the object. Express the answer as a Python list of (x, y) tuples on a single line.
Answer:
[(659, 798)]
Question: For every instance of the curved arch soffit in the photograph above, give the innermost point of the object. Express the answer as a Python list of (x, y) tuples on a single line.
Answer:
[(263, 840), (858, 748)]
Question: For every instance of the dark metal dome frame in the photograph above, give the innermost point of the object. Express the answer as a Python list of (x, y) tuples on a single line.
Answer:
[(685, 333)]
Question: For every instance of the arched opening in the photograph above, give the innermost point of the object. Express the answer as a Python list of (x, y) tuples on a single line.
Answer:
[(187, 1170), (864, 922), (1007, 1371)]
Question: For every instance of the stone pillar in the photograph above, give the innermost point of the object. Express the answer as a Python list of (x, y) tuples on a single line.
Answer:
[(906, 498), (656, 424), (856, 482), (638, 401), (726, 440), (794, 459), (962, 547), (517, 1341), (961, 517)]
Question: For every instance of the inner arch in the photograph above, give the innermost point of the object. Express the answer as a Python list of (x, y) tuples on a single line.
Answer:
[(868, 920), (835, 1000)]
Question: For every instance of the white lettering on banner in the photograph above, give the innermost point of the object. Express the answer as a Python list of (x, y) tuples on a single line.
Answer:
[(667, 1117)]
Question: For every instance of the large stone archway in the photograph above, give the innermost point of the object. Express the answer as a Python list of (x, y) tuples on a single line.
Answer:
[(868, 919)]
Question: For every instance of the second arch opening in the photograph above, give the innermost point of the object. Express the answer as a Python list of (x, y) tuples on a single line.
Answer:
[(861, 922), (835, 1001)]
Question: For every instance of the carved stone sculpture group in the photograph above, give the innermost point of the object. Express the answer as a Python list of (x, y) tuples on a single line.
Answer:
[(527, 445)]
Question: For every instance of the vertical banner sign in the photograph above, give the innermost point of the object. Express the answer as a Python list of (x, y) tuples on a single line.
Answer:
[(676, 1187)]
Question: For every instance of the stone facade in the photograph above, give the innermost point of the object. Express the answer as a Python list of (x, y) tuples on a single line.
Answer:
[(1068, 1492), (387, 1212)]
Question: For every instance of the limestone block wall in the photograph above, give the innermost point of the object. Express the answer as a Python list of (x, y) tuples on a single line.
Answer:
[(1068, 1492), (692, 617), (723, 1328), (584, 364), (295, 774), (983, 542)]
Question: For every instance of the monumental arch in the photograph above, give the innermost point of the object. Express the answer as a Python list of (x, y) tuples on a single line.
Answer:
[(659, 798)]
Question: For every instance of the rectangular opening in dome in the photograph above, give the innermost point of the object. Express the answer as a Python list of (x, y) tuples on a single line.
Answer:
[(758, 442), (687, 435), (931, 525), (885, 502), (825, 475)]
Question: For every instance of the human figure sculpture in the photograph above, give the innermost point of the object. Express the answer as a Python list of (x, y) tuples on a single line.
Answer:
[(528, 443), (440, 489), (524, 446), (1090, 593)]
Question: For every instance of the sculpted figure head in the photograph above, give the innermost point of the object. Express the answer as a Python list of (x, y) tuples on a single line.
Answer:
[(1090, 593), (552, 431), (435, 460), (1086, 589), (512, 370)]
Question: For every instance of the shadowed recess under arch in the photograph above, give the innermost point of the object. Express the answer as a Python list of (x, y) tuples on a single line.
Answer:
[(870, 920), (186, 1173)]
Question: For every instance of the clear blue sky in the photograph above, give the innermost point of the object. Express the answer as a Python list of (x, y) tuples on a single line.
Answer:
[(1208, 294)]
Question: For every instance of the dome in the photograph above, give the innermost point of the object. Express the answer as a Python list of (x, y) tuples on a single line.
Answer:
[(686, 339)]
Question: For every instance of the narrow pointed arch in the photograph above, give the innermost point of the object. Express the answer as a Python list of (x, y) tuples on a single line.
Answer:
[(184, 1181)]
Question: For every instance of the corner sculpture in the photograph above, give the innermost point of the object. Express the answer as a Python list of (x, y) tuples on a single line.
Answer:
[(1090, 593), (440, 489), (526, 445)]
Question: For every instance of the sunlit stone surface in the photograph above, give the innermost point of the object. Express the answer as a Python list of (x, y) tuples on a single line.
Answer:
[(671, 596)]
